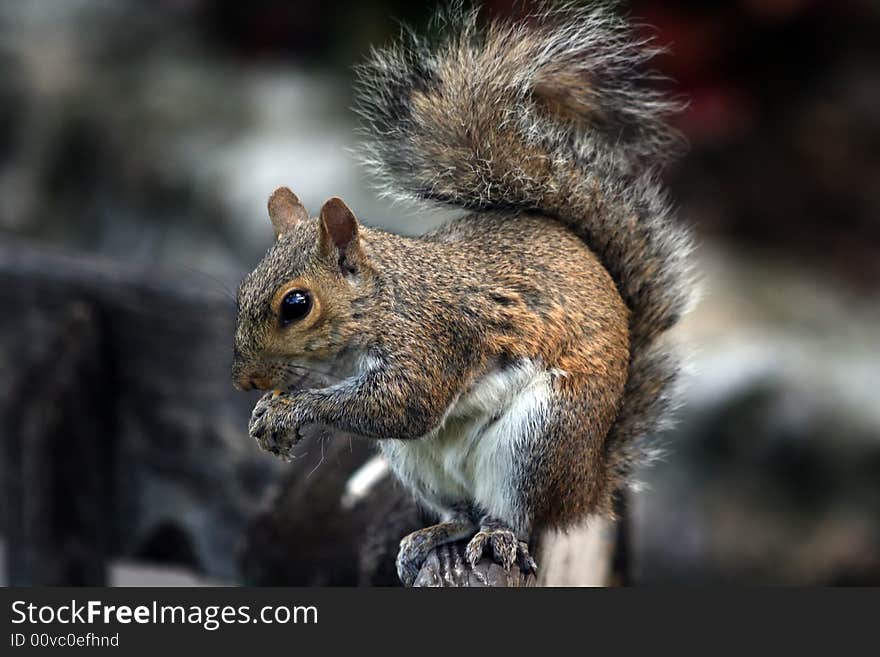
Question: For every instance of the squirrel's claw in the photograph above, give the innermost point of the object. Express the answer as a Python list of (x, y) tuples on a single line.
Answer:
[(506, 549), (526, 562), (407, 567), (273, 426), (415, 547), (502, 542)]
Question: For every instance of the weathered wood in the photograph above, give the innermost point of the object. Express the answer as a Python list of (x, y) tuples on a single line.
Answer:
[(581, 556), (447, 567)]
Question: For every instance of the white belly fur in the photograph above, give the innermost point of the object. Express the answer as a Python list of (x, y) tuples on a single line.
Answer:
[(473, 455)]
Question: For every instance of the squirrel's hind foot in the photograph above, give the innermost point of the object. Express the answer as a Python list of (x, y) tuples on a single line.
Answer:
[(415, 547), (505, 547)]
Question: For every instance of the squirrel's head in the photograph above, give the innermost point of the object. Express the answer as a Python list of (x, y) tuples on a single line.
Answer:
[(298, 309)]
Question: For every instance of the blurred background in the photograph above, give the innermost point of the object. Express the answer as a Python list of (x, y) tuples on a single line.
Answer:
[(138, 144)]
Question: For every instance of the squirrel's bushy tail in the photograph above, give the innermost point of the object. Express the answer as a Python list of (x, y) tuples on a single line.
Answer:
[(549, 114)]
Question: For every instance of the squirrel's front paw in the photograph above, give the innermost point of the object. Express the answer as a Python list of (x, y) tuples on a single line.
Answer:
[(276, 423)]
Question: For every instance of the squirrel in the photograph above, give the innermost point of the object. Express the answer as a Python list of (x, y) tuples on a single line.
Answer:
[(512, 364)]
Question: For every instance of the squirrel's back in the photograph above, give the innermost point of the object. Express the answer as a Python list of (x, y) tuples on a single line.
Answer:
[(550, 115)]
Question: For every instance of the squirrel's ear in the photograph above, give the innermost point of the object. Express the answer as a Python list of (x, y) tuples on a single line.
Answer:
[(339, 233), (285, 210)]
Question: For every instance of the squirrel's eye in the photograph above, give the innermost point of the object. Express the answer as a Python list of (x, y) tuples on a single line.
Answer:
[(294, 306)]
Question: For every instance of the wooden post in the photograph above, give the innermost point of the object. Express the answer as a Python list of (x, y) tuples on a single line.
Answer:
[(447, 567)]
